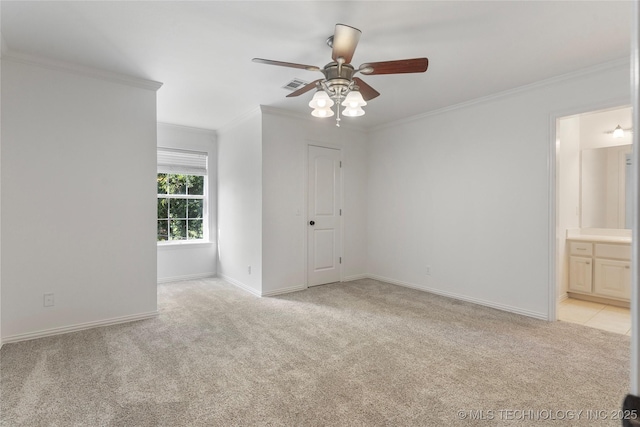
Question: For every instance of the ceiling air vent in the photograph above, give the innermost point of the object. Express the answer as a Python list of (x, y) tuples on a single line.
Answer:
[(295, 84)]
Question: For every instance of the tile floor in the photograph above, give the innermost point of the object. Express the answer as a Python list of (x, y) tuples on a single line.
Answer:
[(596, 315)]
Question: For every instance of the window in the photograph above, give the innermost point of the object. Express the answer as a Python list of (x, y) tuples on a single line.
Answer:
[(182, 201)]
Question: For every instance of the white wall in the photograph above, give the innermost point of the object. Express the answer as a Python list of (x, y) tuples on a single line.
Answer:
[(189, 260), (1, 49), (467, 191), (240, 203), (78, 199), (284, 178), (567, 193), (262, 177)]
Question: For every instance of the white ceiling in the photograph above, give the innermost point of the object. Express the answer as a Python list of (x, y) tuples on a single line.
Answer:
[(202, 51)]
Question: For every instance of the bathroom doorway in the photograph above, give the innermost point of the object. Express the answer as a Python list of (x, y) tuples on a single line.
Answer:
[(592, 208)]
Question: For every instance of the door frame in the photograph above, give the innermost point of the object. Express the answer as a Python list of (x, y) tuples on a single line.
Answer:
[(635, 223), (553, 189), (305, 211)]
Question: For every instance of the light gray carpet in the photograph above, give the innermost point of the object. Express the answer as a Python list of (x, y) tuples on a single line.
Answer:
[(362, 353)]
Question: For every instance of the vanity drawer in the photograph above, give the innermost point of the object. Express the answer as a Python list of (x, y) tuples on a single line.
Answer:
[(613, 251), (581, 248)]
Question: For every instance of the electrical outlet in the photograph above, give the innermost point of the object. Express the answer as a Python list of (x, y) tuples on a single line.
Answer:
[(249, 269), (48, 300), (428, 270)]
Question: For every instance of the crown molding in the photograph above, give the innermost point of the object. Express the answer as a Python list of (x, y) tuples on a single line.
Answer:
[(237, 120), (275, 111), (509, 92), (184, 128), (79, 70)]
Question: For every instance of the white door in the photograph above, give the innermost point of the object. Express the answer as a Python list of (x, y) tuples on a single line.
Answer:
[(324, 245)]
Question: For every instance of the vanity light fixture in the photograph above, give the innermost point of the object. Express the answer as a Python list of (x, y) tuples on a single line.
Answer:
[(618, 132)]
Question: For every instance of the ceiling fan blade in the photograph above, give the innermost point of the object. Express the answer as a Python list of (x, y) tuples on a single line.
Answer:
[(304, 89), (286, 64), (417, 65), (345, 40), (366, 91)]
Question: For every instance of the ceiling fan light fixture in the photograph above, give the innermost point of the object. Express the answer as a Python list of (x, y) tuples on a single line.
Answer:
[(618, 132), (338, 85), (321, 100)]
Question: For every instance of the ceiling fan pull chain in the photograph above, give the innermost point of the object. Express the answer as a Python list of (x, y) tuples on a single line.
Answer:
[(338, 113)]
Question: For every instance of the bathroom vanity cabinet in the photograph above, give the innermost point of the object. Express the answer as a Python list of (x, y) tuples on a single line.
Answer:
[(600, 269)]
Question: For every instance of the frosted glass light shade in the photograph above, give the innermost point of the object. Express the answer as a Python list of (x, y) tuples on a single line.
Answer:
[(322, 112), (353, 112), (354, 100), (618, 132), (321, 100)]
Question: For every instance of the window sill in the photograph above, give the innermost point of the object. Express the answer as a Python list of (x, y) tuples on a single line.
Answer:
[(187, 244)]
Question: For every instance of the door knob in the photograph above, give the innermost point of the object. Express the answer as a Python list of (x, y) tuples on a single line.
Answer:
[(312, 223)]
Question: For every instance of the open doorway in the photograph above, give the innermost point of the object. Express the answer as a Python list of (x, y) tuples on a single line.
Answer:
[(593, 218)]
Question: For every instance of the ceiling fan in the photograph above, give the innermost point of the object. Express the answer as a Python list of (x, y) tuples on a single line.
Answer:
[(339, 86)]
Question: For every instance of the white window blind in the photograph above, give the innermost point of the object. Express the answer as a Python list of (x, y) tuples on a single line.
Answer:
[(182, 162)]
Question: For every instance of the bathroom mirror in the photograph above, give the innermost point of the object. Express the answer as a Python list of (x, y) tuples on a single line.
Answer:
[(604, 177)]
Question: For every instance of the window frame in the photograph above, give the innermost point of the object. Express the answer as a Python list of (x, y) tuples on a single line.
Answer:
[(204, 197)]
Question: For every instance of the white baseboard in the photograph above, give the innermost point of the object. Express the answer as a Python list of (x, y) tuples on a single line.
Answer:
[(240, 285), (284, 290), (563, 297), (78, 327), (354, 277), (252, 291), (186, 277), (478, 301)]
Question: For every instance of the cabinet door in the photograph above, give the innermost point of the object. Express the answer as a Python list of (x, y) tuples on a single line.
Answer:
[(613, 278), (580, 274)]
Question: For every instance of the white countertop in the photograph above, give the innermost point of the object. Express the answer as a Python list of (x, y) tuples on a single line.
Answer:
[(601, 239)]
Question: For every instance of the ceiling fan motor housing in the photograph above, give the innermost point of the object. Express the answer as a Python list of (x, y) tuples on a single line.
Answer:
[(338, 77), (333, 71)]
